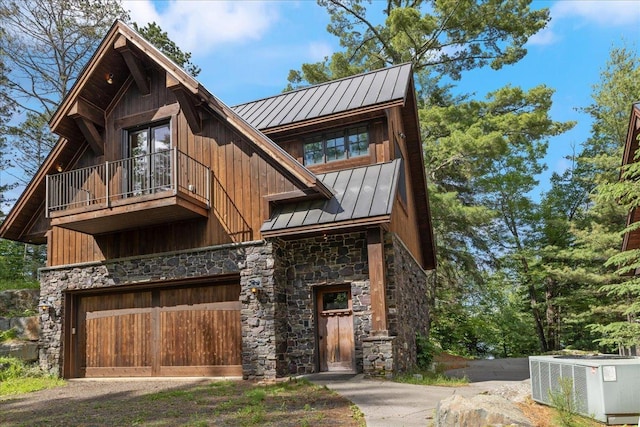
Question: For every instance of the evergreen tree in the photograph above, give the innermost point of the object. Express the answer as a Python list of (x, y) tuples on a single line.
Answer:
[(160, 39), (613, 96)]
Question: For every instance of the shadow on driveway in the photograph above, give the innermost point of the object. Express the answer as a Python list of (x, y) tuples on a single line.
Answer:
[(390, 404)]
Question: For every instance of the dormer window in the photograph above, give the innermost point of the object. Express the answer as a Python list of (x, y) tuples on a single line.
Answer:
[(336, 145)]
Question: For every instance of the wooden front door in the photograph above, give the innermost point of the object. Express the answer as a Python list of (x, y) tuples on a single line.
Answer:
[(335, 329), (181, 331)]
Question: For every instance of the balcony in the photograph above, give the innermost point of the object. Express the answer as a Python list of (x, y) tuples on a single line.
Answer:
[(139, 191)]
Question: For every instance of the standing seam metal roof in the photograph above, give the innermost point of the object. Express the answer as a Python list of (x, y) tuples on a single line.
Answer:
[(360, 193), (364, 90)]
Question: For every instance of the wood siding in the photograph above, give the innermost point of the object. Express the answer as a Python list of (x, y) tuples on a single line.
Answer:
[(242, 178), (403, 221)]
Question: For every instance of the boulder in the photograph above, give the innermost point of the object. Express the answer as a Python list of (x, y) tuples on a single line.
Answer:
[(28, 328), (480, 410), (24, 350)]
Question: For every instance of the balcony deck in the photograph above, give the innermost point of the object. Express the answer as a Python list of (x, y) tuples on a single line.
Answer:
[(116, 196)]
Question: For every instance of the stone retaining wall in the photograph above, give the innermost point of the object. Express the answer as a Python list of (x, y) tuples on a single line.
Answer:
[(13, 305)]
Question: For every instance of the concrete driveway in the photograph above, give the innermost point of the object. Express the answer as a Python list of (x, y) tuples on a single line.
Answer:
[(390, 404)]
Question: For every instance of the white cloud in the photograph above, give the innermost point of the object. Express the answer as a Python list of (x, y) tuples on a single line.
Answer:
[(580, 13), (544, 37), (200, 26), (317, 51), (609, 13)]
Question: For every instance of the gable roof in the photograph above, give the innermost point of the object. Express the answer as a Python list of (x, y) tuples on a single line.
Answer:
[(97, 98), (384, 86), (363, 195), (279, 156)]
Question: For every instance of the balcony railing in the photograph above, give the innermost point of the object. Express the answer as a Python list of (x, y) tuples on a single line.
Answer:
[(128, 180)]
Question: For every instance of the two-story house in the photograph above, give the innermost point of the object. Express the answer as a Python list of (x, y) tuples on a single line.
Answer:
[(284, 236)]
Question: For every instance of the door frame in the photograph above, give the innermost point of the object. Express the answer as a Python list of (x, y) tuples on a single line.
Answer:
[(319, 291)]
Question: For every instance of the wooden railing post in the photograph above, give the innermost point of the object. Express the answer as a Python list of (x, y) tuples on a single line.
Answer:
[(174, 169), (46, 201), (107, 182)]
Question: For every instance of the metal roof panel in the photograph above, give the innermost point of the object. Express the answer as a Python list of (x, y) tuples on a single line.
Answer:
[(360, 193), (364, 90)]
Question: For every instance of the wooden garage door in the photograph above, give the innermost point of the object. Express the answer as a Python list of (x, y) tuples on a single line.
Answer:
[(185, 331)]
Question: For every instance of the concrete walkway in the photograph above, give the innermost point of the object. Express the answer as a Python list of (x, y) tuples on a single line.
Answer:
[(390, 404)]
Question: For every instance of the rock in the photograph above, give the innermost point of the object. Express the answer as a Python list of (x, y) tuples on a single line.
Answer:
[(24, 350), (480, 410), (28, 328), (18, 300)]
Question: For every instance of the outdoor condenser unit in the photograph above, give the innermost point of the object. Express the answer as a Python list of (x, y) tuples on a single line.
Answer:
[(605, 387)]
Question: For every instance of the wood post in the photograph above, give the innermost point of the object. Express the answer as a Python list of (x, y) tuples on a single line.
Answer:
[(377, 281)]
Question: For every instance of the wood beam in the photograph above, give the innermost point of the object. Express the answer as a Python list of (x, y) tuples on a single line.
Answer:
[(87, 116), (82, 108), (134, 64), (377, 281), (91, 134), (185, 99)]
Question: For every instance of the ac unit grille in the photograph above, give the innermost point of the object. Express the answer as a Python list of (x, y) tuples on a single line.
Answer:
[(546, 381), (535, 380), (580, 391)]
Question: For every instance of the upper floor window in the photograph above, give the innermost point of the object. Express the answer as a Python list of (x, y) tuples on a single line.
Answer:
[(148, 168), (336, 145)]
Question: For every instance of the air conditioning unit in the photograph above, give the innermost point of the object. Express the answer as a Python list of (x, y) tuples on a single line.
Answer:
[(605, 387)]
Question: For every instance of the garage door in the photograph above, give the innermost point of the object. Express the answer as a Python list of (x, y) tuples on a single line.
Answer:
[(182, 331)]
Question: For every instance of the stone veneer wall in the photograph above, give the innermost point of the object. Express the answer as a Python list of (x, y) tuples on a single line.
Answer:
[(319, 261), (407, 302), (254, 262)]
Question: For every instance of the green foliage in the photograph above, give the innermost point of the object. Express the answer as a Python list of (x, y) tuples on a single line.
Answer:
[(160, 39), (426, 350), (484, 33), (428, 377), (9, 334), (613, 198), (564, 402), (17, 378)]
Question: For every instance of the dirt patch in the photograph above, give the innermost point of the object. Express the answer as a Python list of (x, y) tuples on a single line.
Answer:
[(178, 402)]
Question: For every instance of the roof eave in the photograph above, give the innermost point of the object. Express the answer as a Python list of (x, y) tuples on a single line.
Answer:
[(327, 228)]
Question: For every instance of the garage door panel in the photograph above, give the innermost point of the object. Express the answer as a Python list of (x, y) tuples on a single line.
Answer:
[(214, 336), (187, 331), (118, 340)]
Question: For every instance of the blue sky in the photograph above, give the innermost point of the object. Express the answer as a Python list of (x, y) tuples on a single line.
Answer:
[(246, 49)]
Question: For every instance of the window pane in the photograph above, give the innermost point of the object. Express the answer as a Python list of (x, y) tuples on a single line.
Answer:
[(161, 138), (336, 149), (137, 168), (335, 301), (313, 152), (161, 144), (358, 142)]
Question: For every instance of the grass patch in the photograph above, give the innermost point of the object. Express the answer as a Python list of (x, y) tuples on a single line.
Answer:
[(9, 334), (293, 403), (7, 285), (18, 378), (430, 378)]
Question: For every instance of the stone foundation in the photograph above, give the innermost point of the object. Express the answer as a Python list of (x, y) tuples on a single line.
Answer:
[(253, 261), (278, 323), (379, 357)]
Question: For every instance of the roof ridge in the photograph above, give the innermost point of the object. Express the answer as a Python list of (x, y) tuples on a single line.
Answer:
[(322, 84)]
